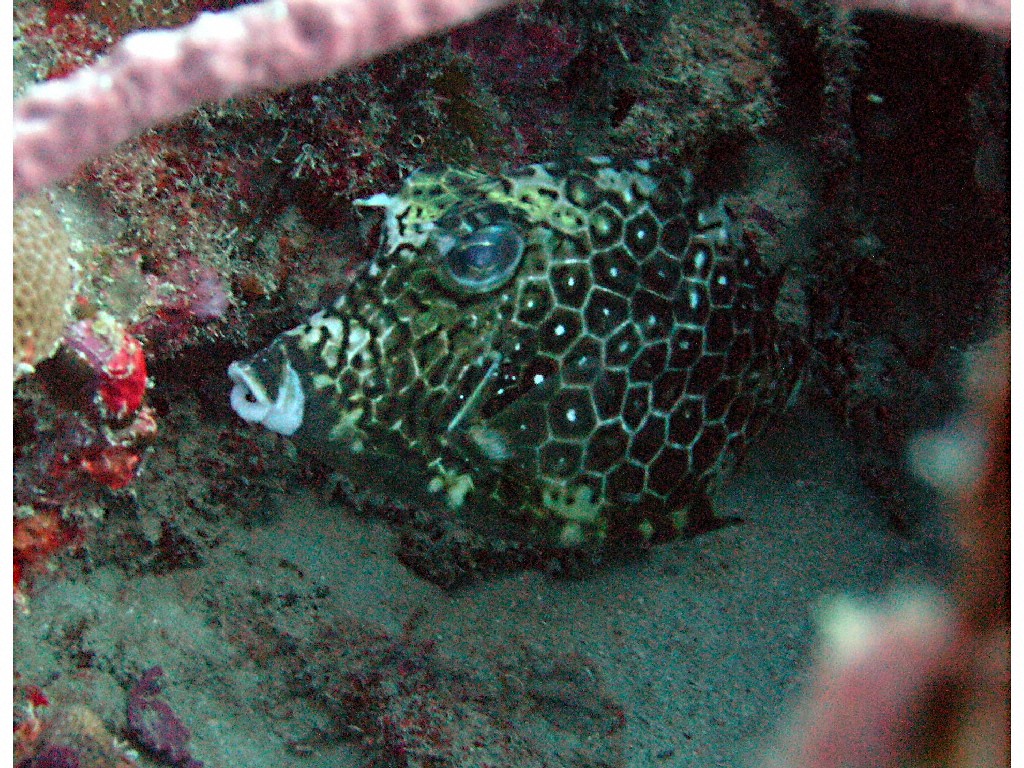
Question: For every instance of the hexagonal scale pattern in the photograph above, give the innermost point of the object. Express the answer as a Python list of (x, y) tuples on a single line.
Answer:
[(603, 387)]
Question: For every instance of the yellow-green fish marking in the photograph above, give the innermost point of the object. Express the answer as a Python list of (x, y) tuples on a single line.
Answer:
[(566, 352)]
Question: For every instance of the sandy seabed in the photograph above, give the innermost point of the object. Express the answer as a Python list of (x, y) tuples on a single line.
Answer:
[(689, 657)]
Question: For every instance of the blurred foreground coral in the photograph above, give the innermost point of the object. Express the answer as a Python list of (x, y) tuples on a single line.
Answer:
[(924, 679)]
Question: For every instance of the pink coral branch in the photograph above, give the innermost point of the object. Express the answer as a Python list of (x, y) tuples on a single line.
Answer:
[(154, 76)]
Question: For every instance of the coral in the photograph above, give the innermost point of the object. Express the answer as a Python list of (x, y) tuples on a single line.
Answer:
[(162, 262), (517, 52), (44, 279), (119, 364), (79, 454), (708, 78), (106, 440), (113, 466), (55, 41), (924, 677), (53, 757), (38, 535), (507, 91), (821, 49), (153, 724), (91, 431), (195, 242), (187, 298), (124, 16), (66, 737), (65, 35), (150, 77)]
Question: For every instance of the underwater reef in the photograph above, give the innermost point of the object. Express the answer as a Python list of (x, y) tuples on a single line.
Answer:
[(514, 311)]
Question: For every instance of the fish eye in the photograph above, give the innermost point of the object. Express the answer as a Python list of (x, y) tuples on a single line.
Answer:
[(482, 260)]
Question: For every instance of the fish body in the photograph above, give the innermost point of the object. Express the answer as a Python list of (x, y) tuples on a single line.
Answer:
[(570, 351)]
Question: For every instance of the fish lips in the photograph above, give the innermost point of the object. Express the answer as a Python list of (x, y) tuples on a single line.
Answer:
[(268, 390)]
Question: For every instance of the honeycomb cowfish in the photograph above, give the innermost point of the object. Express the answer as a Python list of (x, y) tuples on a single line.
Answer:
[(569, 353)]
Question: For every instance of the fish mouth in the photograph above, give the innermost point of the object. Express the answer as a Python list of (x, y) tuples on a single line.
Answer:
[(283, 412)]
